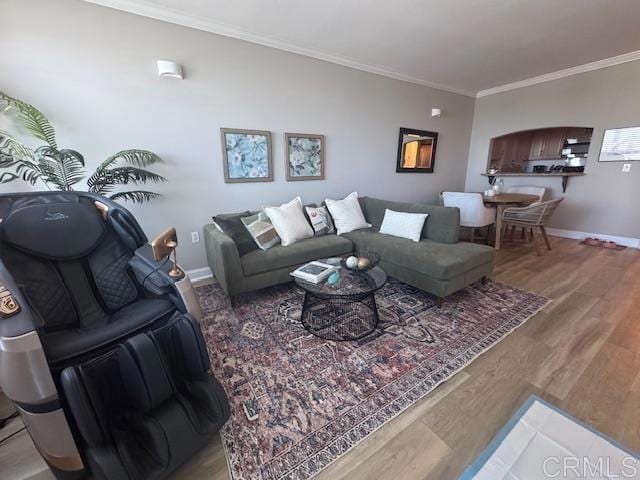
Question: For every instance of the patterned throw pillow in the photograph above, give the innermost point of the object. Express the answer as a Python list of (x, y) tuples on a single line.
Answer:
[(320, 220), (262, 231)]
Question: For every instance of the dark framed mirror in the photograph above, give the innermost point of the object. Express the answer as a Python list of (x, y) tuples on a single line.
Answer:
[(416, 151)]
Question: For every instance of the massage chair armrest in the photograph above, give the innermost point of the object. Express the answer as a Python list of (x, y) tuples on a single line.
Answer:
[(151, 274)]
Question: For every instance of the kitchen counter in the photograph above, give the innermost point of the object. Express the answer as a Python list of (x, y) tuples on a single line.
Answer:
[(564, 175)]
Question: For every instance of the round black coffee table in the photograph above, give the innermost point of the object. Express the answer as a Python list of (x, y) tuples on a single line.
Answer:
[(346, 311)]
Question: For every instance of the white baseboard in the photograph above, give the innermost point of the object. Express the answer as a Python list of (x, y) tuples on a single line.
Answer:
[(197, 274), (626, 241)]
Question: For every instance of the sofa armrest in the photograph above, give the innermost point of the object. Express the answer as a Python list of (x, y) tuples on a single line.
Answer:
[(223, 259)]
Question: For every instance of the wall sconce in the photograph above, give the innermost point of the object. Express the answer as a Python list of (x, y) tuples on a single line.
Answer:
[(169, 69), (436, 112)]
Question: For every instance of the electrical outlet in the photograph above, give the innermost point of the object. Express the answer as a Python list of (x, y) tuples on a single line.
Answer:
[(195, 237), (626, 168)]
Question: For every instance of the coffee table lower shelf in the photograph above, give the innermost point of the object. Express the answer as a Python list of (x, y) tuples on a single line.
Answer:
[(340, 318)]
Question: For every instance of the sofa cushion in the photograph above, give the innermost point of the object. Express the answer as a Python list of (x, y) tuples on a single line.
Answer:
[(434, 259), (306, 250), (442, 225)]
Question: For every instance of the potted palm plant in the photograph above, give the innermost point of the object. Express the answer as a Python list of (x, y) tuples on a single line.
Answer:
[(62, 169)]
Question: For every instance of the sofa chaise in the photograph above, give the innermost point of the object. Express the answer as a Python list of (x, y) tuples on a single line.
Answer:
[(439, 263)]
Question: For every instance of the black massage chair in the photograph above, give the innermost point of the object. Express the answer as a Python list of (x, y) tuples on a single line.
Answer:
[(100, 344)]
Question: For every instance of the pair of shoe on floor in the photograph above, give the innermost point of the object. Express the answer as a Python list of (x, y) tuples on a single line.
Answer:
[(596, 242)]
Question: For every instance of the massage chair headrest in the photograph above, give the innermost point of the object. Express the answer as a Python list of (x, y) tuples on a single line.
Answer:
[(54, 230), (64, 225)]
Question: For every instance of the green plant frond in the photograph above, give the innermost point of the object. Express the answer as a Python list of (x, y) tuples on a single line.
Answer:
[(32, 119), (124, 175), (135, 157), (7, 177), (24, 169), (9, 145), (62, 168), (103, 181), (7, 161), (99, 185), (135, 196)]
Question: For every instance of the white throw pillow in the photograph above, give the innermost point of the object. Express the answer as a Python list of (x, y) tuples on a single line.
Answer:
[(289, 221), (402, 224), (347, 214)]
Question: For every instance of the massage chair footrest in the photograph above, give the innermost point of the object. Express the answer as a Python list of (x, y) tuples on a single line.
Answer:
[(146, 406)]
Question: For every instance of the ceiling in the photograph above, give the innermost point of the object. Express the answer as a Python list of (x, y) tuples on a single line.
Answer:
[(465, 46)]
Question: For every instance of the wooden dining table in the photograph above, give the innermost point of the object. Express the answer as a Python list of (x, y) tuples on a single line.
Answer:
[(501, 202)]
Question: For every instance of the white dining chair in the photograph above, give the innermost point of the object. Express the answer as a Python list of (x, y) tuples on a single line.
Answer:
[(473, 213)]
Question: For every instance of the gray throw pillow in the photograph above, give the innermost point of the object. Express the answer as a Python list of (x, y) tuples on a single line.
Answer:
[(231, 225)]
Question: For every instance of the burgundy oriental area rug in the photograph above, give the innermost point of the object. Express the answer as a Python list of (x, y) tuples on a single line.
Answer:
[(299, 402)]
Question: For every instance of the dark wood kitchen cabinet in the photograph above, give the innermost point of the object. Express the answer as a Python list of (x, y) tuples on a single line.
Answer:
[(546, 144), (538, 139), (510, 153)]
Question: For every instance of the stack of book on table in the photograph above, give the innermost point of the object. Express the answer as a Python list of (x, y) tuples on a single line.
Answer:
[(314, 272)]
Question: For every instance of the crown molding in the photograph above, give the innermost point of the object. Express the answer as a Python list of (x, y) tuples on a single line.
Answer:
[(178, 17), (566, 72)]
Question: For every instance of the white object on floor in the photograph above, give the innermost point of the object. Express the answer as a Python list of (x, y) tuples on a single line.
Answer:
[(541, 443), (347, 214), (402, 224)]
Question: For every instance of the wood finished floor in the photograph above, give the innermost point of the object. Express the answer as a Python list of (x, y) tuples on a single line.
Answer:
[(581, 353)]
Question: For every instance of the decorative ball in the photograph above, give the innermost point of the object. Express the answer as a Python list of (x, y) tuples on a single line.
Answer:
[(363, 262), (333, 279), (352, 262)]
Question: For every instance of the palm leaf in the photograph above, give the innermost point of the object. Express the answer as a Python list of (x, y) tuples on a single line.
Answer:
[(13, 154), (122, 168), (32, 119), (136, 157), (9, 145), (7, 177), (62, 168), (135, 196)]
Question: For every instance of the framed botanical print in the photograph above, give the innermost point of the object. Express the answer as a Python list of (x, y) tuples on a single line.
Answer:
[(304, 156), (246, 155)]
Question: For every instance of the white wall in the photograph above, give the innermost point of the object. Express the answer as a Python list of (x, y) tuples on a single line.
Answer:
[(91, 70), (605, 200)]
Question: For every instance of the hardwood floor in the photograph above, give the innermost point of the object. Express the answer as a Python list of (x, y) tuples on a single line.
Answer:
[(580, 353)]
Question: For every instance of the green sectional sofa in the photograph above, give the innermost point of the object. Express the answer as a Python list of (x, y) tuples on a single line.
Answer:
[(439, 263)]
